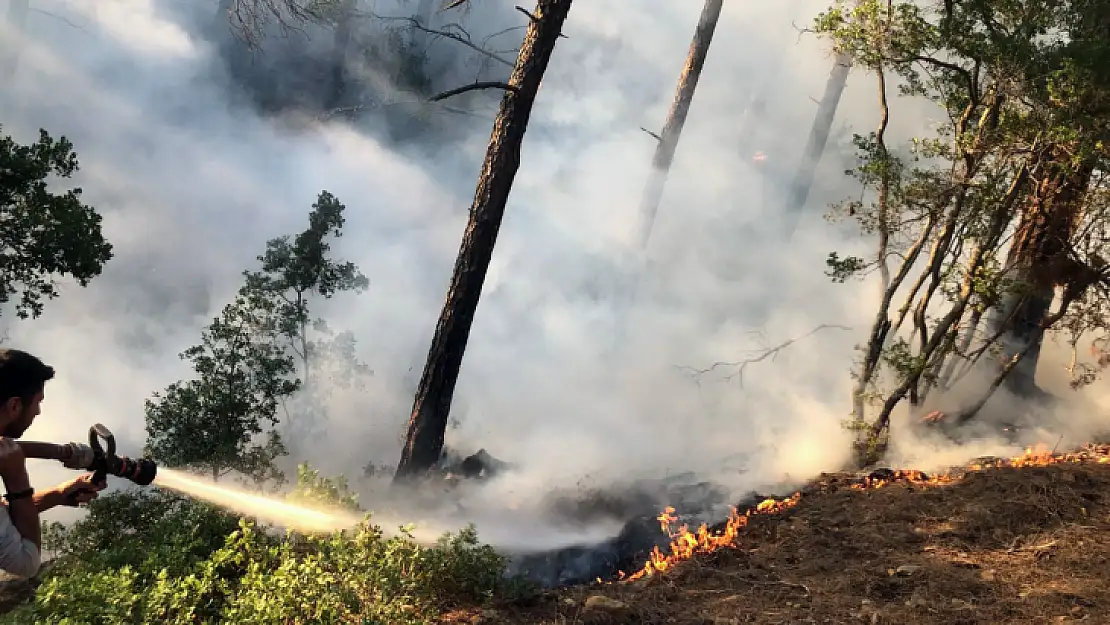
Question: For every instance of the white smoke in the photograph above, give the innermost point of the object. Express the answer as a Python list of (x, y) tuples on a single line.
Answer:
[(192, 184)]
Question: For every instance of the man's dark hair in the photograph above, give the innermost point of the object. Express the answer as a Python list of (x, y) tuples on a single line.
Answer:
[(22, 375)]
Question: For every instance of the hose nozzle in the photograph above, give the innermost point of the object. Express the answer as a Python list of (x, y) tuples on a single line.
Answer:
[(141, 471)]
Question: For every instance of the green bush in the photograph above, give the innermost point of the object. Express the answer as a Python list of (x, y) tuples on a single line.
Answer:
[(189, 566)]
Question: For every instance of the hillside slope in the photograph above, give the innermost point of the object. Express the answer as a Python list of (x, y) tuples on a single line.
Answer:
[(1005, 541)]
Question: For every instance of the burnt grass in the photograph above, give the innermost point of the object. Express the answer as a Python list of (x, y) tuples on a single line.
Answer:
[(1000, 544), (637, 506)]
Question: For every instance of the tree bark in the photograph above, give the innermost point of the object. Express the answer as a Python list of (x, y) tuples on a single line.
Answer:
[(1038, 261), (17, 23), (432, 405), (676, 118), (815, 148)]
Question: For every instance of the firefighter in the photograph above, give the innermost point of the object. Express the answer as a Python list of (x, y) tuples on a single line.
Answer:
[(23, 379)]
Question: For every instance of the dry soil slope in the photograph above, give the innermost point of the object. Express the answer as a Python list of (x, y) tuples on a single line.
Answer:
[(1022, 541)]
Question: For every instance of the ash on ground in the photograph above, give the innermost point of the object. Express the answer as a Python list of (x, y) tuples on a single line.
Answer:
[(638, 505), (635, 507)]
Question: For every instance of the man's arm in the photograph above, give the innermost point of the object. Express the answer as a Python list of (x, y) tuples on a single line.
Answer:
[(24, 511), (74, 492), (48, 499)]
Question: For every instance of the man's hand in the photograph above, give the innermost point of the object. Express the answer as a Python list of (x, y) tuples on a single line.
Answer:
[(13, 464), (79, 490), (81, 456)]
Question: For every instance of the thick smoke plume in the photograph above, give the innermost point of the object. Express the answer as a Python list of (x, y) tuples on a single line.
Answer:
[(193, 175)]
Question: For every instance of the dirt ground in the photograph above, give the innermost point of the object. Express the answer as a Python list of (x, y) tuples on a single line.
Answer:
[(1025, 542)]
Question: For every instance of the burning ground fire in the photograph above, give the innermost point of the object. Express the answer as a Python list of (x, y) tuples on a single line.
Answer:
[(685, 543)]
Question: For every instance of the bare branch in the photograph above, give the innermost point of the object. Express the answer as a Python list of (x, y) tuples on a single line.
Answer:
[(525, 11), (534, 18), (771, 353), (460, 38), (60, 19), (477, 86), (657, 137)]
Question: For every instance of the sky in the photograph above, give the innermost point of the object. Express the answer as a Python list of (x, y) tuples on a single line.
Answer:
[(192, 184)]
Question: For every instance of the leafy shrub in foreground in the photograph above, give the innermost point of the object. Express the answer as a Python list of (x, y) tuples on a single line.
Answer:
[(357, 576), (149, 557)]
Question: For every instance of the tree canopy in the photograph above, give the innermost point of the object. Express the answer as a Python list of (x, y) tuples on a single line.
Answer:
[(979, 223), (44, 235), (256, 356)]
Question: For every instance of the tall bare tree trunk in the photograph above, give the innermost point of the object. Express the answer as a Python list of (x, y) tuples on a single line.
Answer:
[(676, 118), (425, 12), (16, 23), (343, 30), (752, 130), (815, 148), (432, 405), (663, 158), (1038, 261)]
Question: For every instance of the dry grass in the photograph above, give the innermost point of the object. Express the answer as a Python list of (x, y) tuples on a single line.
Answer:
[(1001, 545)]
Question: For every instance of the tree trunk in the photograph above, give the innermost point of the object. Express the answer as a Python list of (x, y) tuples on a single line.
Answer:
[(818, 138), (425, 13), (343, 29), (432, 405), (1038, 262), (16, 23), (753, 132), (663, 158), (676, 118)]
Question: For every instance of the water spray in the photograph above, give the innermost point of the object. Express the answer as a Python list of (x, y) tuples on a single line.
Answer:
[(144, 472)]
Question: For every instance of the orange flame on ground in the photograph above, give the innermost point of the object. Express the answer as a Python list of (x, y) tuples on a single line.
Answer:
[(685, 544)]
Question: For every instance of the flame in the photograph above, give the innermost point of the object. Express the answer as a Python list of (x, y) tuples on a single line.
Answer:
[(685, 544)]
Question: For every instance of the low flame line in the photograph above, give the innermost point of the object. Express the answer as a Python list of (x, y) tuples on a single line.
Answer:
[(685, 544)]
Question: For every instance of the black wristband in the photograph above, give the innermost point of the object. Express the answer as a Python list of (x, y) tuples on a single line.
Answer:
[(23, 494)]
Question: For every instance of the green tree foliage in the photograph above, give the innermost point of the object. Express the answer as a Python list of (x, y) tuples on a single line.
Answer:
[(222, 420), (226, 418), (294, 271), (45, 235), (1020, 88)]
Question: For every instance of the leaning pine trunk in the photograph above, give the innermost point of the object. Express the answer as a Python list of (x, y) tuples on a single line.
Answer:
[(664, 154), (432, 406), (676, 118), (815, 146)]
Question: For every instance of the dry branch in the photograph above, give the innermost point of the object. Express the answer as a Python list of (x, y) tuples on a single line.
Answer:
[(771, 353), (463, 38), (477, 86)]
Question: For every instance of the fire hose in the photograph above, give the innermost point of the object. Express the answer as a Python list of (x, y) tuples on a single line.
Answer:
[(105, 462)]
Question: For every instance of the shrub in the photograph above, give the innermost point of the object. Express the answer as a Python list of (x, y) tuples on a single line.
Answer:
[(150, 557)]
